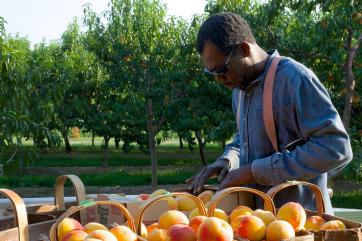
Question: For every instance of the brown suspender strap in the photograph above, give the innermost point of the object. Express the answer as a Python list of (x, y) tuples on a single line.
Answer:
[(268, 102)]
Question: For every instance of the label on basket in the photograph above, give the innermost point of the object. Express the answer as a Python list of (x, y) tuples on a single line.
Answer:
[(87, 203)]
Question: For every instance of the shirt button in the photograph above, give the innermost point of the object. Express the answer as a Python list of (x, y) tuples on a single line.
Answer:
[(245, 143), (244, 119)]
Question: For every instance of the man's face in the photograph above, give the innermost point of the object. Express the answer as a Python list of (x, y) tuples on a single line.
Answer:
[(213, 58)]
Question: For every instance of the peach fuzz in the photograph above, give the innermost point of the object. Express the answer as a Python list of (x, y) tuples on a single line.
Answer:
[(195, 222), (333, 225), (123, 233), (314, 223), (157, 235), (279, 230), (266, 216), (66, 226), (206, 196), (249, 227), (214, 229), (171, 217), (294, 214), (181, 232), (185, 203), (92, 226), (240, 210), (102, 235), (75, 235), (151, 227)]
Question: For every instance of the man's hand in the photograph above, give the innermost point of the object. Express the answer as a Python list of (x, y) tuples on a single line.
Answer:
[(219, 168), (237, 177)]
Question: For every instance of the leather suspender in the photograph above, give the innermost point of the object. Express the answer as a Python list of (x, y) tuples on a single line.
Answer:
[(267, 103)]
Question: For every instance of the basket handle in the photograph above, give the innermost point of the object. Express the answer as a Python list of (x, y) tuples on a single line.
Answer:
[(83, 206), (268, 202), (142, 208), (20, 213), (79, 192), (317, 192)]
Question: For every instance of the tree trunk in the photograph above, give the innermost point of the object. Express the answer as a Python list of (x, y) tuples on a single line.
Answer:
[(350, 78), (223, 144), (201, 147), (105, 152), (68, 148), (152, 143), (93, 138), (181, 143), (116, 142)]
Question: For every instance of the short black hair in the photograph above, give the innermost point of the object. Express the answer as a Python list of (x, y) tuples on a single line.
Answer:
[(224, 30)]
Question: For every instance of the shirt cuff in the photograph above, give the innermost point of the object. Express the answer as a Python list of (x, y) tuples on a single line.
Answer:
[(233, 157), (262, 170)]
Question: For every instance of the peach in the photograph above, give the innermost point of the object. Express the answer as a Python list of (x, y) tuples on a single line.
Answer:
[(279, 230), (194, 213), (266, 216), (196, 221), (314, 223), (92, 239), (159, 192), (143, 196), (333, 225), (172, 203), (157, 235), (102, 235), (221, 214), (206, 196), (249, 227), (185, 203), (75, 235), (123, 233), (294, 214), (92, 226), (171, 217), (214, 229), (151, 227), (181, 232), (240, 210), (66, 226)]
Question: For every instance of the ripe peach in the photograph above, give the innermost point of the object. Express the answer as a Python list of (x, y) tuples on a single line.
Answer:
[(67, 225), (181, 232), (221, 214), (294, 214), (279, 230), (266, 216), (102, 235), (240, 210), (214, 229), (157, 235), (92, 226), (206, 196), (333, 225), (75, 235), (159, 192), (172, 203), (185, 203), (249, 227), (143, 196), (195, 222), (151, 227), (123, 233), (194, 213), (171, 217), (314, 223)]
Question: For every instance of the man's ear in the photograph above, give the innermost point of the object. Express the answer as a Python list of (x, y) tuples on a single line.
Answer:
[(245, 47)]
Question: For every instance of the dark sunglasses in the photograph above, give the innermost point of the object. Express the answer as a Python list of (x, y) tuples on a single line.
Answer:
[(222, 70)]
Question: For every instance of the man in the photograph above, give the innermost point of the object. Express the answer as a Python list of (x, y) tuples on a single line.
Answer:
[(302, 110)]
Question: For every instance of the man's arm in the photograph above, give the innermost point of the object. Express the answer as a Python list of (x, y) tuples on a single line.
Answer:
[(327, 148)]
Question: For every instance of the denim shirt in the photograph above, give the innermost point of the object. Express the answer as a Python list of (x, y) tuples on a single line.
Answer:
[(303, 109)]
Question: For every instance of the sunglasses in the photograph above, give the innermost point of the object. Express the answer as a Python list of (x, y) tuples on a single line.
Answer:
[(222, 70)]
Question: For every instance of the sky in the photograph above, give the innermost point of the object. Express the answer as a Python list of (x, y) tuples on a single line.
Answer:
[(39, 19)]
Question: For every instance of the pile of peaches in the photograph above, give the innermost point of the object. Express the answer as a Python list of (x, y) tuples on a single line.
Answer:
[(174, 225)]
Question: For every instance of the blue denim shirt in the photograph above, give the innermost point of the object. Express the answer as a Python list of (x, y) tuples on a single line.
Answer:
[(302, 109)]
